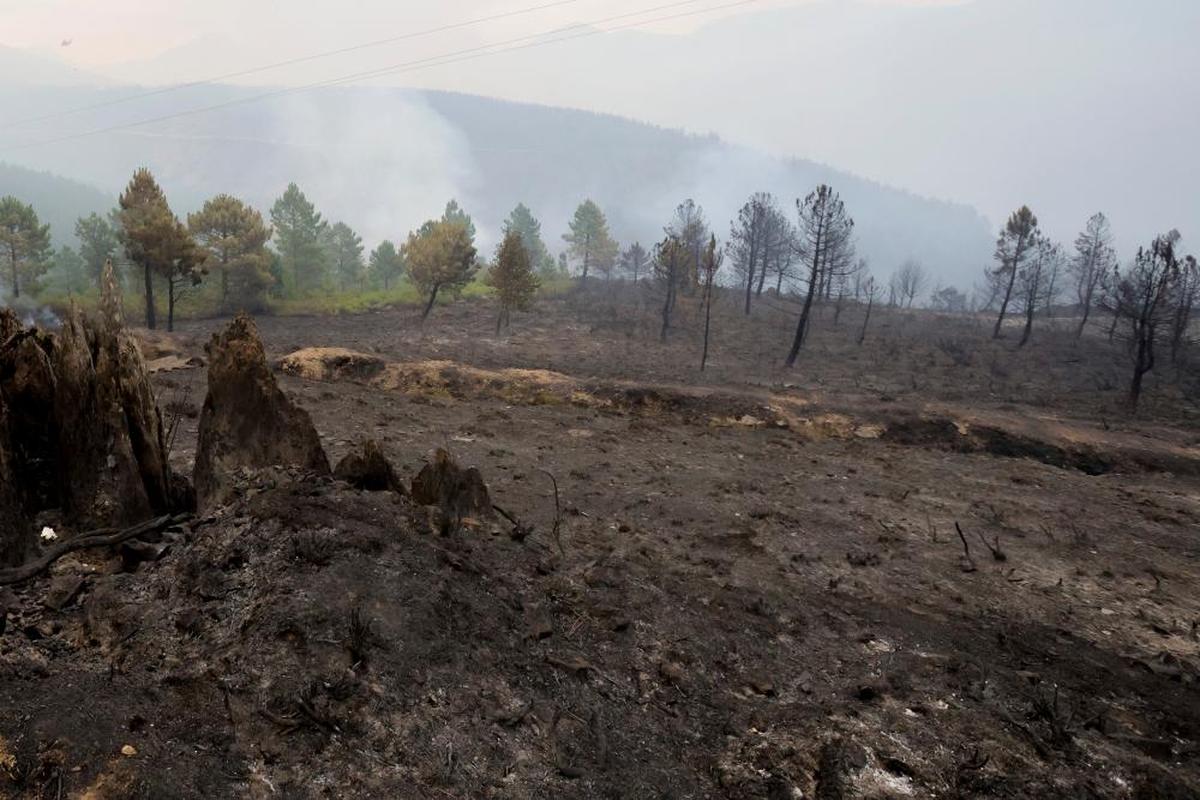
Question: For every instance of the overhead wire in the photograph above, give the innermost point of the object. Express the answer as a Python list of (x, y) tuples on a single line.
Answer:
[(496, 48), (285, 63)]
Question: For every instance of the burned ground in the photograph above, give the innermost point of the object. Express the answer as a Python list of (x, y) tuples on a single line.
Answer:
[(757, 589)]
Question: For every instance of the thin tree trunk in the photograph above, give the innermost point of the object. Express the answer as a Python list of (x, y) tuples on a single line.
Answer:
[(862, 336), (1143, 364), (750, 275), (499, 320), (587, 252), (16, 280), (432, 299), (151, 318), (762, 275), (1004, 303), (669, 304), (1087, 310), (802, 325), (707, 321), (1028, 326), (171, 306)]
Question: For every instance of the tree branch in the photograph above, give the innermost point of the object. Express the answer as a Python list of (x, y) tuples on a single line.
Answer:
[(104, 537)]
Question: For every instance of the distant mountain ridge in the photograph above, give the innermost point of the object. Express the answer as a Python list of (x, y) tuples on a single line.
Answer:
[(25, 67), (383, 160)]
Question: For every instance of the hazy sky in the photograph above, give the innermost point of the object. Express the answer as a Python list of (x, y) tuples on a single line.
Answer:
[(1071, 106)]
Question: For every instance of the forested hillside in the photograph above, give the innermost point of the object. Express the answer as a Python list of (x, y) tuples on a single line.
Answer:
[(58, 201), (385, 159)]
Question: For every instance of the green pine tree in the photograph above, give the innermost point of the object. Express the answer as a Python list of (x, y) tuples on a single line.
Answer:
[(298, 234), (512, 277), (24, 244), (589, 242), (386, 265), (235, 237)]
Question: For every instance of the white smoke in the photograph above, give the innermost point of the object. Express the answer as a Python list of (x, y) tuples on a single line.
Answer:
[(381, 161), (29, 311)]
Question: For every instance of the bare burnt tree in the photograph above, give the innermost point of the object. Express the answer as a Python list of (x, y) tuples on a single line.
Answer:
[(948, 299), (872, 291), (713, 257), (779, 249), (1187, 294), (1142, 297), (745, 245), (690, 228), (1034, 278), (862, 273), (911, 280), (669, 258), (634, 261), (1094, 258), (825, 243), (1016, 243)]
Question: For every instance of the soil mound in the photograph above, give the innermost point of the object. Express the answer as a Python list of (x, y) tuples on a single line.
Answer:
[(331, 364), (247, 421), (942, 432)]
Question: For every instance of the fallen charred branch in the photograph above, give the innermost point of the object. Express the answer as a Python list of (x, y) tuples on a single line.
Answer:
[(520, 531), (968, 563), (557, 529), (103, 537)]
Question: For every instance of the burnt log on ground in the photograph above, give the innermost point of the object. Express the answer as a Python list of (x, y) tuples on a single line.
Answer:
[(82, 430), (247, 421)]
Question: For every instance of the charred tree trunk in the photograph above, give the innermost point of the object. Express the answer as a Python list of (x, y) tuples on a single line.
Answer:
[(669, 303), (814, 278), (81, 430), (1143, 363), (247, 421), (16, 277), (707, 320), (1087, 311), (171, 298), (753, 260), (862, 335), (1029, 311), (224, 288), (151, 318), (433, 293), (762, 273)]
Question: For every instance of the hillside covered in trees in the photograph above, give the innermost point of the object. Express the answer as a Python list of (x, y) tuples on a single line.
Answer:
[(58, 201), (384, 159)]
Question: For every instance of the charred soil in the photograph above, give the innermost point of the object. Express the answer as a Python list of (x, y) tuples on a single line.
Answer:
[(750, 586)]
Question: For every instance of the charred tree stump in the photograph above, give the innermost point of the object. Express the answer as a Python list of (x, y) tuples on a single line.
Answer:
[(81, 430), (247, 421)]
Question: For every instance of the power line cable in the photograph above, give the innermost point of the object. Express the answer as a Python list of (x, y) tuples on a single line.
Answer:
[(467, 54), (287, 63)]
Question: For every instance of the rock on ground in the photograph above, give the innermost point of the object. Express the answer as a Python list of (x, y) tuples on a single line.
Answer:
[(247, 421)]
